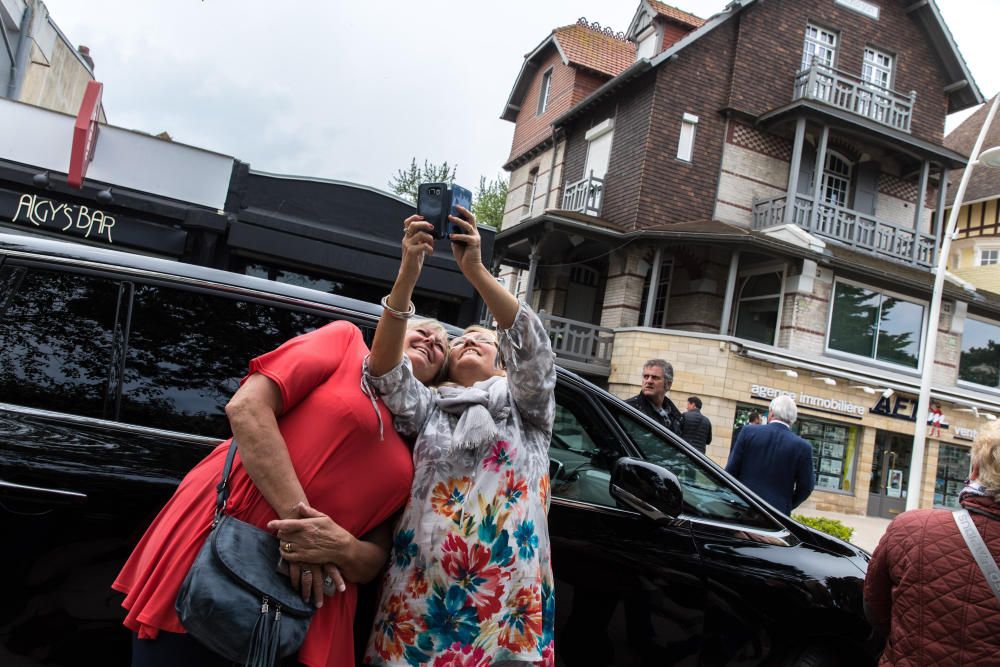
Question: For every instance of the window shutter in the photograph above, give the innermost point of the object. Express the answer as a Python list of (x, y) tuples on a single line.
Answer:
[(866, 187)]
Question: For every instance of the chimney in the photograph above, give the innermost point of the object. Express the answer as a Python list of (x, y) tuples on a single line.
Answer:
[(85, 52)]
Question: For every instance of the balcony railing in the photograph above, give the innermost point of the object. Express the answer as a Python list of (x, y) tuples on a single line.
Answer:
[(584, 196), (853, 94), (580, 346), (859, 231)]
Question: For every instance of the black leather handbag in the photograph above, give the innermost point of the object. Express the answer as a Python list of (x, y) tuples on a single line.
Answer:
[(233, 599)]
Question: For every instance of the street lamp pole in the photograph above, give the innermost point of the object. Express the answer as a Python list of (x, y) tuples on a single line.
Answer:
[(915, 481)]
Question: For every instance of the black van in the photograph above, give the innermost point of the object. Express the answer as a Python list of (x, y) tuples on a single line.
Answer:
[(114, 372)]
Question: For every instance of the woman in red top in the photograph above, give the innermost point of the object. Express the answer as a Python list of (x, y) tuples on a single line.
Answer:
[(311, 443)]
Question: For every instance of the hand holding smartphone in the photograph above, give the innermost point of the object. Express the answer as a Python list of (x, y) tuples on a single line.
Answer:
[(436, 201)]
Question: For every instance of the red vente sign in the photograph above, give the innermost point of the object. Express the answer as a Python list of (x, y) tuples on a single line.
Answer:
[(85, 134)]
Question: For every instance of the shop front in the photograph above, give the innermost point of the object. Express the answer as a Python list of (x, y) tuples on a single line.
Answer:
[(154, 196), (860, 428)]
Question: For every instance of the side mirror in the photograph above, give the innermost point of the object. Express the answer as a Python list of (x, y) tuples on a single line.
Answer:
[(646, 488)]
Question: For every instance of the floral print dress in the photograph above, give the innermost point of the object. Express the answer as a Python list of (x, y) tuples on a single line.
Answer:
[(470, 578)]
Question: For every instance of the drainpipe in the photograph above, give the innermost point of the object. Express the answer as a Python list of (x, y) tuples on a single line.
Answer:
[(10, 56), (552, 168), (20, 61)]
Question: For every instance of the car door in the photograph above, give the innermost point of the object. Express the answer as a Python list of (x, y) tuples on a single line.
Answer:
[(757, 588), (628, 592)]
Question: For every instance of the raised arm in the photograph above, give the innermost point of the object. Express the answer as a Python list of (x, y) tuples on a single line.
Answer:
[(387, 346), (467, 248)]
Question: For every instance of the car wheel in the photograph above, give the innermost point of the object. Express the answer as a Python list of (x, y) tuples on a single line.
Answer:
[(811, 656)]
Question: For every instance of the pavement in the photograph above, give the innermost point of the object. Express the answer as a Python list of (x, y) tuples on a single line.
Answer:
[(868, 530)]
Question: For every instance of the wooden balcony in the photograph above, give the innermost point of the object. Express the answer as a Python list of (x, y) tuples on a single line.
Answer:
[(584, 196), (580, 346), (848, 92), (855, 229)]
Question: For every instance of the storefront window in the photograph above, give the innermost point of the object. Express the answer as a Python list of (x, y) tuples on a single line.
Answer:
[(875, 325), (834, 447), (953, 467), (980, 361)]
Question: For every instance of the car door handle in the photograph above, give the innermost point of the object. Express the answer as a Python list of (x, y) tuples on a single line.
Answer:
[(26, 492)]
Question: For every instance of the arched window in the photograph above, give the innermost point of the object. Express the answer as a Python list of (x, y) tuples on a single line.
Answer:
[(758, 305), (836, 179)]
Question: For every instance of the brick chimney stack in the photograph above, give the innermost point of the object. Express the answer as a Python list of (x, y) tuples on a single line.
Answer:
[(85, 52)]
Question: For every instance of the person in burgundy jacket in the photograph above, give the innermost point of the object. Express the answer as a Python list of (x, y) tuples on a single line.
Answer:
[(924, 590)]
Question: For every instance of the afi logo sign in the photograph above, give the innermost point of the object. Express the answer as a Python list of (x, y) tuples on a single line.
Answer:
[(897, 407)]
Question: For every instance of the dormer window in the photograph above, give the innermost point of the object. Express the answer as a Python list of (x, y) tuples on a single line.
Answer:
[(645, 46), (543, 91)]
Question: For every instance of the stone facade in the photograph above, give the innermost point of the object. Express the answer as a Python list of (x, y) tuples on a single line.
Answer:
[(711, 368)]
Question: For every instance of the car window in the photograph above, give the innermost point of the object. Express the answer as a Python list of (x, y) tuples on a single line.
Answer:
[(187, 351), (56, 339), (581, 453), (706, 494)]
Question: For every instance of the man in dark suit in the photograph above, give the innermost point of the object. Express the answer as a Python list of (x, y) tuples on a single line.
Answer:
[(774, 462), (657, 376)]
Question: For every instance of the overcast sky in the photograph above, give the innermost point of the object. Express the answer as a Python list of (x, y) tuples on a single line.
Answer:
[(351, 90)]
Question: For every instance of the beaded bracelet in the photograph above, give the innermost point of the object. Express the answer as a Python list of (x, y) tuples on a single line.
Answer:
[(398, 314)]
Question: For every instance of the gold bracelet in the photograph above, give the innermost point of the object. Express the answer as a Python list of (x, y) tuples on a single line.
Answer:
[(398, 314)]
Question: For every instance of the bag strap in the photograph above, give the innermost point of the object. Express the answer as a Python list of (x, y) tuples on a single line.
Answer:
[(223, 486), (979, 549)]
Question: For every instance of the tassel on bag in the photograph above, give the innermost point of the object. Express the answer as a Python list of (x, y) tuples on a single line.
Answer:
[(264, 640)]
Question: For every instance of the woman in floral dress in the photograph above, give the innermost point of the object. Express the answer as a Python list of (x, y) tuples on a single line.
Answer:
[(470, 577)]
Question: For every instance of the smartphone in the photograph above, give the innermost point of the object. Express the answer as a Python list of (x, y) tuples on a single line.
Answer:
[(436, 201), (459, 197)]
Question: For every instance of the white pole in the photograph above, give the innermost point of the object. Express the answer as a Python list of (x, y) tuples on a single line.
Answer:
[(915, 482)]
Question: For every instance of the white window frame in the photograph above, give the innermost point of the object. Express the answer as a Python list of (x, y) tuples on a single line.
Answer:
[(756, 271), (830, 352), (603, 131), (668, 283), (646, 43), (981, 250), (544, 91), (814, 45), (959, 382), (829, 175), (685, 142), (871, 65), (531, 185)]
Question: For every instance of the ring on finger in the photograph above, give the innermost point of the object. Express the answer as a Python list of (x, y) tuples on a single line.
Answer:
[(328, 581), (306, 572)]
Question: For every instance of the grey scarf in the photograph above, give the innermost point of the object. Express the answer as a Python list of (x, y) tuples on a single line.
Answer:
[(478, 408)]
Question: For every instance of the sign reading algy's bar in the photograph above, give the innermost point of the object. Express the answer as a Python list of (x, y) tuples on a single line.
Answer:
[(35, 211), (76, 219)]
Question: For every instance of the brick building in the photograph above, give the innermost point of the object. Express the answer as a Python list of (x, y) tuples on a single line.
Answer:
[(757, 198)]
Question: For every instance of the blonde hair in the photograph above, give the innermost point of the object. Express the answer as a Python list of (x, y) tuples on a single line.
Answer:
[(438, 328), (986, 455)]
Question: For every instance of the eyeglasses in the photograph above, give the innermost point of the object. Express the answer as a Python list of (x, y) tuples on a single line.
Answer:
[(477, 338)]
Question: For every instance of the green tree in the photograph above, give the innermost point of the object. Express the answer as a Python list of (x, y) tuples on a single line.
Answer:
[(406, 181), (490, 200)]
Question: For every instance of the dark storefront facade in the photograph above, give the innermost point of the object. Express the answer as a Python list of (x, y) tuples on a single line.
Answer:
[(157, 197)]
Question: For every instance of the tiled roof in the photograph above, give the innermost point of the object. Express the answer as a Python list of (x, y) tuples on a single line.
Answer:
[(601, 50), (675, 14), (985, 181)]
